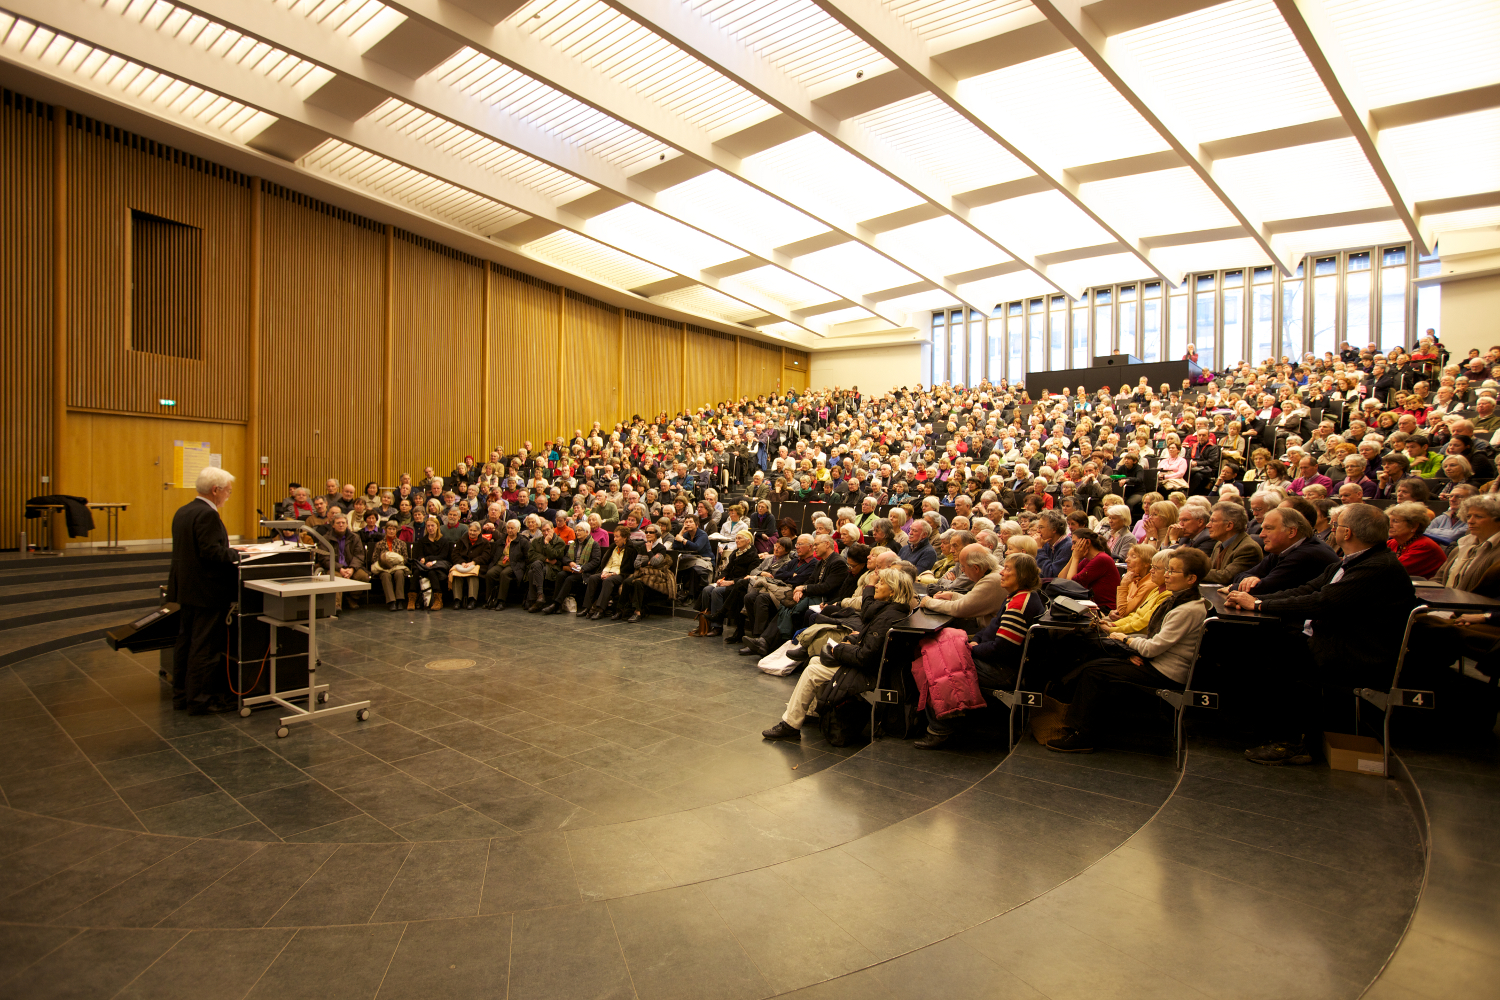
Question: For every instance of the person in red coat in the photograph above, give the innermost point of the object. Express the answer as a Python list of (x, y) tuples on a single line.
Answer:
[(1096, 568), (1419, 555)]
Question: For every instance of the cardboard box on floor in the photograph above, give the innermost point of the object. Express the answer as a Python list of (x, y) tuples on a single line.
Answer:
[(1360, 754)]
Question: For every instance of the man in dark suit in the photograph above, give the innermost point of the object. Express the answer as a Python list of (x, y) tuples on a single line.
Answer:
[(1191, 529), (1293, 555), (202, 583), (823, 585), (1353, 616)]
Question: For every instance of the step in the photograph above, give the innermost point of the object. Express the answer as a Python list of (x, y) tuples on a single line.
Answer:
[(19, 644), (77, 606), (82, 557), (25, 593), (55, 572)]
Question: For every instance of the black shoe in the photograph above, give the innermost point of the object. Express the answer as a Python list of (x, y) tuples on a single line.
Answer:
[(634, 618), (932, 741), (470, 604), (620, 615), (391, 606), (736, 636), (596, 614), (716, 630), (782, 731), (534, 607), (180, 704), (213, 706), (498, 606), (1279, 754), (551, 609), (798, 654), (1072, 741)]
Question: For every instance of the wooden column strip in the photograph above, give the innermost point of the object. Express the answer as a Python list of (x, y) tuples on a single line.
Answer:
[(386, 379), (251, 488), (484, 374), (59, 301), (737, 342), (559, 362), (682, 372)]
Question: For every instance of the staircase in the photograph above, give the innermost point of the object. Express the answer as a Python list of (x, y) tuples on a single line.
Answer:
[(49, 603)]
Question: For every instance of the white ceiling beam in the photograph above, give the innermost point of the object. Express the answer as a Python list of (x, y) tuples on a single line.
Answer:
[(517, 49), (291, 32), (887, 34), (1121, 71), (1315, 33), (142, 44), (696, 35)]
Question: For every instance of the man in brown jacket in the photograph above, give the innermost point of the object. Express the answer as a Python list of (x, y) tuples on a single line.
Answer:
[(1234, 550)]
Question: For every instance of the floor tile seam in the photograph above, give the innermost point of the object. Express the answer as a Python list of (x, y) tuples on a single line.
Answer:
[(1270, 850), (272, 963), (1275, 819), (152, 964), (1055, 812), (619, 947), (391, 959), (735, 936), (1075, 788), (260, 850), (1091, 769), (76, 932)]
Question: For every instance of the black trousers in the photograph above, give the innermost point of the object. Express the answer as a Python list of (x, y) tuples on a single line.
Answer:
[(499, 579), (566, 584), (198, 658), (598, 591), (1091, 685)]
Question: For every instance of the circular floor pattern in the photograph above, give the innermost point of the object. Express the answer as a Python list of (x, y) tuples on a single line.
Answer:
[(589, 810)]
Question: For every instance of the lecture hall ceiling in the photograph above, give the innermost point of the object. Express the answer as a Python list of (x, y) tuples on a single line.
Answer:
[(809, 168)]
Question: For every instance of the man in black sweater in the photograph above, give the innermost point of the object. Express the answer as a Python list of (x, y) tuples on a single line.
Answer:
[(1351, 617), (202, 583)]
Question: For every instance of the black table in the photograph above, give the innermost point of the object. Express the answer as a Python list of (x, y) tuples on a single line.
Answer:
[(1211, 594), (1446, 599)]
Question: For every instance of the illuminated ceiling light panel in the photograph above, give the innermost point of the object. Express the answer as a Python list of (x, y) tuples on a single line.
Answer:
[(778, 285), (854, 265), (364, 22), (919, 302), (1048, 218), (813, 164), (362, 169), (164, 95), (944, 142), (595, 260), (946, 246), (783, 329), (1177, 261), (651, 234), (1006, 288), (1471, 218), (848, 315), (1342, 237), (1300, 181), (1215, 65), (795, 36), (1076, 275), (1447, 156), (488, 80), (1406, 51), (716, 198), (702, 299), (935, 19), (482, 151), (632, 56), (1163, 201), (1060, 103)]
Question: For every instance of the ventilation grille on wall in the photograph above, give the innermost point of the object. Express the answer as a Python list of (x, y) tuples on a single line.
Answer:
[(166, 287)]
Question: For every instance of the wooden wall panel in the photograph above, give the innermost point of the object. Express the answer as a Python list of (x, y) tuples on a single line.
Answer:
[(26, 313), (439, 305), (590, 365), (653, 366), (710, 368), (523, 352), (322, 322), (111, 172), (760, 368)]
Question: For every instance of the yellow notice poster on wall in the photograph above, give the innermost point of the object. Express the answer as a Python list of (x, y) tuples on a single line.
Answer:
[(188, 459)]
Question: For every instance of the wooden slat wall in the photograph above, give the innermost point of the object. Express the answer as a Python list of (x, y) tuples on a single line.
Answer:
[(25, 309), (653, 366), (710, 368), (322, 322), (439, 306), (590, 365), (523, 352), (111, 172), (166, 272), (760, 368)]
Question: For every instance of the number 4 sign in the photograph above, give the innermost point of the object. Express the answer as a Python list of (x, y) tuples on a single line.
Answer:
[(1416, 699)]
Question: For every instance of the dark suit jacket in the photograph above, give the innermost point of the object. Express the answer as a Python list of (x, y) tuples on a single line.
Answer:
[(1280, 571), (1358, 622), (518, 548), (202, 572), (829, 580)]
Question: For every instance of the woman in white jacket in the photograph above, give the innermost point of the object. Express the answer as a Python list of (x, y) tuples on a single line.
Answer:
[(1160, 657)]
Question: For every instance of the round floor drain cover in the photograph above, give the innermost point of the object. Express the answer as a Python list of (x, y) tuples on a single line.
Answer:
[(452, 664)]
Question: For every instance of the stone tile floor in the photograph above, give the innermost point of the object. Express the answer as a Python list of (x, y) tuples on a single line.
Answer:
[(590, 811)]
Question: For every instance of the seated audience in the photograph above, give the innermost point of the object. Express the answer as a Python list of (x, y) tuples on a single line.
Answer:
[(1419, 555)]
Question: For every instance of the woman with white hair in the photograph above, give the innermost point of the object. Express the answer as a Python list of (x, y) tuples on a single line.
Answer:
[(1118, 538)]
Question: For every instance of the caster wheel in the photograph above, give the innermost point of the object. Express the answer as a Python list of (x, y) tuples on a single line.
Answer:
[(363, 715), (245, 713), (323, 697), (283, 733)]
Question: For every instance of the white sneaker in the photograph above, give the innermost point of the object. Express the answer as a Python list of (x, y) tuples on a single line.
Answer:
[(570, 606)]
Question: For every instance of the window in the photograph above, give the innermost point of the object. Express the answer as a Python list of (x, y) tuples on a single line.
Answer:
[(1293, 305), (1177, 314), (1080, 333), (1231, 308), (1127, 319), (939, 355), (976, 347), (1017, 338), (166, 287), (956, 347), (1058, 332), (1325, 303), (1262, 314), (1103, 325), (995, 334), (1151, 322), (1036, 322), (1357, 316), (1203, 320)]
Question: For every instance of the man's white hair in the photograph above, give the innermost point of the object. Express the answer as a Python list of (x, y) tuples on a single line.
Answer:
[(213, 478)]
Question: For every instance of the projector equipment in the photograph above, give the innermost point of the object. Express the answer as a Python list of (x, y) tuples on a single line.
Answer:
[(157, 630), (1068, 608)]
